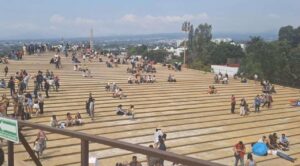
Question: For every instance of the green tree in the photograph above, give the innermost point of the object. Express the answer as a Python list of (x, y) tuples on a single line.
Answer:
[(221, 52), (290, 34), (137, 50), (156, 55), (199, 43)]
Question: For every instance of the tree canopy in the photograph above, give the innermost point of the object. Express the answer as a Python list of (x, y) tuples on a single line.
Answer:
[(203, 52), (277, 61)]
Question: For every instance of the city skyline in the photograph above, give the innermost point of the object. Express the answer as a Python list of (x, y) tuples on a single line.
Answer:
[(55, 19)]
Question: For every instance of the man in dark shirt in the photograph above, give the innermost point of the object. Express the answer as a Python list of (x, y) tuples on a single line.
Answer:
[(134, 162), (233, 102), (5, 71), (46, 86), (39, 80)]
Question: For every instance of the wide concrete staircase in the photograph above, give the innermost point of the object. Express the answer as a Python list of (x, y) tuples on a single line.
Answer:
[(197, 124)]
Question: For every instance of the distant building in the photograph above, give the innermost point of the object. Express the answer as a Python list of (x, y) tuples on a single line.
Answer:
[(178, 42), (229, 40), (219, 40), (176, 52)]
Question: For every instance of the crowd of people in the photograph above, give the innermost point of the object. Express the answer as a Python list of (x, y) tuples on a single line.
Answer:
[(141, 79), (4, 60), (56, 60), (117, 92), (176, 66), (125, 112), (36, 48), (264, 146), (221, 78), (267, 87), (260, 101), (27, 102)]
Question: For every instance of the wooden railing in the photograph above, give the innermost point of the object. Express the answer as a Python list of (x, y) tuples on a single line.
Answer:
[(86, 138)]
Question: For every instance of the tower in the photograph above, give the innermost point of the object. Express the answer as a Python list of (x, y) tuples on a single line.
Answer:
[(91, 39)]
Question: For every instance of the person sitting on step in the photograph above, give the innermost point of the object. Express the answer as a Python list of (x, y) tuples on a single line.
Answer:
[(78, 119), (107, 87), (121, 111), (69, 119), (54, 122), (243, 80), (119, 93), (284, 142), (130, 80), (171, 78), (212, 89)]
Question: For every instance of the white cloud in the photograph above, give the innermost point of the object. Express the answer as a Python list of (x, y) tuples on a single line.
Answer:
[(172, 19), (57, 18), (83, 21), (125, 24), (154, 24), (129, 18), (273, 16)]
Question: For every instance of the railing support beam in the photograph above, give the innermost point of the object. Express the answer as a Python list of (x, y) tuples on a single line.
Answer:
[(10, 149), (29, 150), (84, 152)]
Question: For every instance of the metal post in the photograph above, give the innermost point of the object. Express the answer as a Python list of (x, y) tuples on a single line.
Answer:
[(10, 148), (29, 150), (84, 152), (184, 55)]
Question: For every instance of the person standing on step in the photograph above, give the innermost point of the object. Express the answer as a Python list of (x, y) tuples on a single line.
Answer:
[(239, 152), (11, 85), (36, 106), (35, 89), (5, 71), (257, 103), (162, 146), (255, 78), (47, 87), (250, 161), (243, 105), (92, 109), (40, 143), (233, 103), (41, 102), (39, 80)]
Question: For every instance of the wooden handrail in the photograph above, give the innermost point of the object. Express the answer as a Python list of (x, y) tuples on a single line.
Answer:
[(122, 145)]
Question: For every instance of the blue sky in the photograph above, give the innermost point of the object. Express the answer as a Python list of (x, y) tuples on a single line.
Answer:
[(74, 18)]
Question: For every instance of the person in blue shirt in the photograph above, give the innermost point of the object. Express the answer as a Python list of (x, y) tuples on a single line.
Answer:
[(284, 142), (257, 103), (261, 149)]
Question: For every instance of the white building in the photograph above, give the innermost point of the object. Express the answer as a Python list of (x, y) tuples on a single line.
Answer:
[(219, 40), (176, 52)]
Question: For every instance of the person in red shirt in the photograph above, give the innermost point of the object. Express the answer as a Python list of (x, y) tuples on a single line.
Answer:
[(239, 153), (233, 102)]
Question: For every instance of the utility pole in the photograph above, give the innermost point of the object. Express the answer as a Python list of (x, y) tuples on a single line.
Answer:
[(91, 39), (186, 27)]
